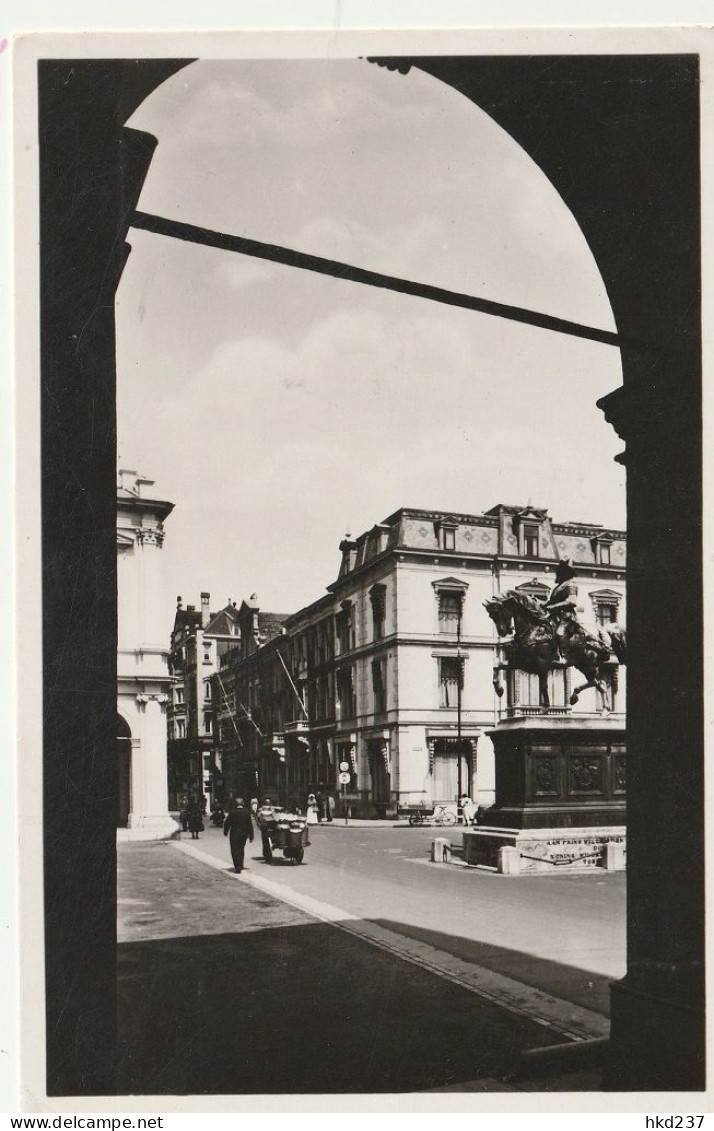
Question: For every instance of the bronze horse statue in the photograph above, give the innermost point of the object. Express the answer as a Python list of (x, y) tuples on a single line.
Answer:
[(538, 642)]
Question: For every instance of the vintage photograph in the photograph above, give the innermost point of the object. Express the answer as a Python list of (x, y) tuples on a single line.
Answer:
[(370, 381)]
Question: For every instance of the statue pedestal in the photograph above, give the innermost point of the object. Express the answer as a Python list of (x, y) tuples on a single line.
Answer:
[(560, 796)]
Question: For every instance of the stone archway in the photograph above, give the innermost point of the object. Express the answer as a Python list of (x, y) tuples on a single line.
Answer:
[(618, 136)]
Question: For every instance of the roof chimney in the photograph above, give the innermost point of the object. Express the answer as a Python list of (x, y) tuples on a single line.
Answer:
[(179, 602), (205, 615)]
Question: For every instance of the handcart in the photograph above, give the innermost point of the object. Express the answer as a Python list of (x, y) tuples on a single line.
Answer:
[(287, 832)]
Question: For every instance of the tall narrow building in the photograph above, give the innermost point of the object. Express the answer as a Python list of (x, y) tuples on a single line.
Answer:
[(143, 680)]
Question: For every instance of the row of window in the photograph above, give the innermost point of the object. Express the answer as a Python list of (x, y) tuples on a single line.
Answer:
[(450, 601), (450, 676), (179, 694), (450, 671), (529, 542), (179, 726)]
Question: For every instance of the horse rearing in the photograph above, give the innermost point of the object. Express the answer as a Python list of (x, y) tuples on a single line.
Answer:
[(533, 648), (537, 646)]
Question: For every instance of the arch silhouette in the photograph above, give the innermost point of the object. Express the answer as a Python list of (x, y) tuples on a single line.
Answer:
[(123, 750)]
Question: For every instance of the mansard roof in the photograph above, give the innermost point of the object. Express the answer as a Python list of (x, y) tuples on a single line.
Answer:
[(224, 622)]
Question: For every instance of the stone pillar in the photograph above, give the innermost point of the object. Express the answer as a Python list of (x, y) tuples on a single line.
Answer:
[(657, 1009), (440, 850), (142, 666), (509, 861), (150, 537), (149, 817)]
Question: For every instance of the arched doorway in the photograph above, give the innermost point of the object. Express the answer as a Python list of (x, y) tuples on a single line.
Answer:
[(123, 745)]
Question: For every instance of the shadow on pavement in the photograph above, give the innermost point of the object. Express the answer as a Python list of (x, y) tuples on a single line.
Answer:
[(302, 1008), (223, 989), (583, 987)]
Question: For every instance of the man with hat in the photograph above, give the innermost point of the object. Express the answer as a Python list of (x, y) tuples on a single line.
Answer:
[(562, 603), (239, 826)]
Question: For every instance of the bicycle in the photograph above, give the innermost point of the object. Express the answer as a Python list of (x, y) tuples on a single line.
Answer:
[(420, 815), (444, 816)]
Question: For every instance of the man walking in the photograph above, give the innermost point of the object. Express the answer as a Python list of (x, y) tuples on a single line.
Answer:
[(239, 826)]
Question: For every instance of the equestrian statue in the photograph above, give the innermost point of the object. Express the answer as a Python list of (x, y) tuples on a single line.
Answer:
[(544, 634)]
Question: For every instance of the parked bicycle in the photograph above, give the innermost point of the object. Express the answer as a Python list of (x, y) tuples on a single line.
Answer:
[(420, 815)]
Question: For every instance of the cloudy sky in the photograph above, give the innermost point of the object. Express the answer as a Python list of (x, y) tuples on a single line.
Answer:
[(280, 409)]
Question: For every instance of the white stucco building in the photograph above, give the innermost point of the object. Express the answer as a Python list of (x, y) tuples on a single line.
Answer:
[(390, 673), (143, 680)]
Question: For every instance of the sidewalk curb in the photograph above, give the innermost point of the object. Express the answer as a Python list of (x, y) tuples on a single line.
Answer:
[(562, 1018)]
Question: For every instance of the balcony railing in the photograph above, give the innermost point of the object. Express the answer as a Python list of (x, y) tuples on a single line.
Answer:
[(297, 726)]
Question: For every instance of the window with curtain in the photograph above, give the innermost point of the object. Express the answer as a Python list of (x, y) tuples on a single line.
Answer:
[(450, 610), (451, 678)]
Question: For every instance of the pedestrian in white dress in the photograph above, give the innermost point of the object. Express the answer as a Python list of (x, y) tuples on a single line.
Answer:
[(468, 809), (312, 809)]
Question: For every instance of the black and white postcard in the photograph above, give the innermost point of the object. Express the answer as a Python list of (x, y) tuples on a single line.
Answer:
[(359, 414)]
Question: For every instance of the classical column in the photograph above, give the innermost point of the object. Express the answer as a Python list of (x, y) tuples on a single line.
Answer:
[(142, 659), (149, 817)]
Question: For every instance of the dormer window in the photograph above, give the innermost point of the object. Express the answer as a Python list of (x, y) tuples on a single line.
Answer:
[(445, 531), (602, 548), (530, 541), (527, 525)]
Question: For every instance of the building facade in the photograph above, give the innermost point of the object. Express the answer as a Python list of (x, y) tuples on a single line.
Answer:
[(251, 702), (143, 679), (390, 674), (198, 642)]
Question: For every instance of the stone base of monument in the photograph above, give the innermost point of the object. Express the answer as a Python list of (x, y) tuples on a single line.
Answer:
[(516, 852), (560, 796)]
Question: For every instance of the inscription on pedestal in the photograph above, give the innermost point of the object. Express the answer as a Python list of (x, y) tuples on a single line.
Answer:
[(547, 852)]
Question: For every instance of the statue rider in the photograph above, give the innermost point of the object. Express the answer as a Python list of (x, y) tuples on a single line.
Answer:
[(562, 603)]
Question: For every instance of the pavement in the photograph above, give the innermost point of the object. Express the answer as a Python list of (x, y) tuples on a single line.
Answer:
[(365, 970)]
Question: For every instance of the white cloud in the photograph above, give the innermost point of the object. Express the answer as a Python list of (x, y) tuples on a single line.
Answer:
[(276, 407), (400, 174)]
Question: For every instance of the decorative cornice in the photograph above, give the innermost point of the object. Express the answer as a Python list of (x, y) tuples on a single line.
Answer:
[(452, 583), (150, 536)]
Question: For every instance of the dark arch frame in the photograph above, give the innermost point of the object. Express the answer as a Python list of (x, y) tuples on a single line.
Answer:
[(618, 136), (123, 756)]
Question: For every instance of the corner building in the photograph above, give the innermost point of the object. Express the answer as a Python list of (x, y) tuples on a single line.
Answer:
[(143, 679), (391, 671), (199, 639)]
